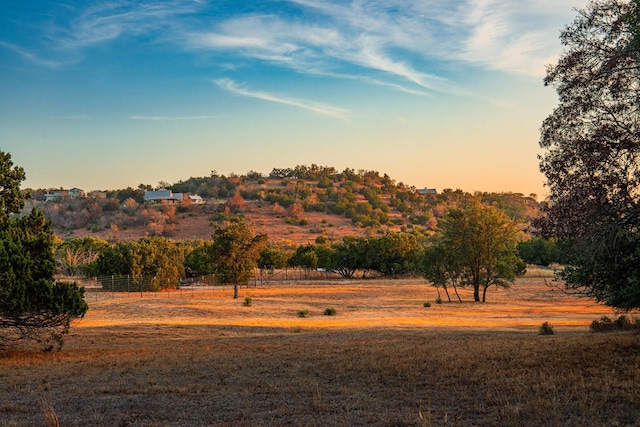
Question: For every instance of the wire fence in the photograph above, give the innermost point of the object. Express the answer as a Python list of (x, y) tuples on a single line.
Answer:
[(97, 288)]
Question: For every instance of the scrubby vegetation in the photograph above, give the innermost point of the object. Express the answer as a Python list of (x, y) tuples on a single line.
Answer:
[(368, 200)]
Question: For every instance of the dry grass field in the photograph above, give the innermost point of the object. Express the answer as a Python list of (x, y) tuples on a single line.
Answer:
[(200, 358)]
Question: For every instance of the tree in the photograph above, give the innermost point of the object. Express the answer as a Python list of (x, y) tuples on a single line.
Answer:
[(348, 256), (235, 251), (392, 254), (76, 256), (32, 304), (441, 268), (306, 257), (157, 263), (483, 242), (539, 251), (592, 153)]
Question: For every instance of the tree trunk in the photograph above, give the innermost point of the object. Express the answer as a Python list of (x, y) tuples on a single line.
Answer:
[(484, 292), (446, 290), (476, 293), (455, 288), (235, 291)]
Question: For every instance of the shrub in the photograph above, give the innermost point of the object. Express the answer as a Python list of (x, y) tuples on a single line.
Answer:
[(546, 329), (303, 313), (622, 323), (426, 304), (247, 301), (438, 300), (329, 311)]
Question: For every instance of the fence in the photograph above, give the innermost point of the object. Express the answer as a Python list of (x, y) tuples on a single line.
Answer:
[(109, 286)]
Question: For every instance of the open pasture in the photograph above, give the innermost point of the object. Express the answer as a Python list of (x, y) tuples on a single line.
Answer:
[(181, 359)]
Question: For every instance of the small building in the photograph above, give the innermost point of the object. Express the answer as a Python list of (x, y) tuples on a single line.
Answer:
[(424, 191), (162, 195), (56, 196), (195, 199)]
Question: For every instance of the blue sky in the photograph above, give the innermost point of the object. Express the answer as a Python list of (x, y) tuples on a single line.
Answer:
[(436, 93)]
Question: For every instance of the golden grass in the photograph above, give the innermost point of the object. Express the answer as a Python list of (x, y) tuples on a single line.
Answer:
[(383, 360)]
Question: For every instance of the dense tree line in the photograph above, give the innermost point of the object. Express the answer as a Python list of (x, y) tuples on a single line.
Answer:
[(477, 246)]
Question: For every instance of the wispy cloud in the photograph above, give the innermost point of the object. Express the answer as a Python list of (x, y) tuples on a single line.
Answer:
[(78, 117), (409, 46), (170, 118), (31, 56), (323, 109)]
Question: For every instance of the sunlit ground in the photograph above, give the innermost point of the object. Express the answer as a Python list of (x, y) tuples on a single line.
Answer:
[(364, 303)]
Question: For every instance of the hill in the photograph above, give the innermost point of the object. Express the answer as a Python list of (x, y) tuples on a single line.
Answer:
[(292, 206)]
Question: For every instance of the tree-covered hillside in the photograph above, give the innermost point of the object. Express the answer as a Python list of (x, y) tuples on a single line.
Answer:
[(300, 205)]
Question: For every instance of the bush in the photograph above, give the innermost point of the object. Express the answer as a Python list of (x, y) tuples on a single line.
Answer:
[(438, 300), (303, 313), (247, 301), (622, 323), (329, 311), (546, 329), (426, 304)]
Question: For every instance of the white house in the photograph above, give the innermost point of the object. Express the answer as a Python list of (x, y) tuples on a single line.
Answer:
[(423, 191), (195, 199), (162, 194), (56, 196)]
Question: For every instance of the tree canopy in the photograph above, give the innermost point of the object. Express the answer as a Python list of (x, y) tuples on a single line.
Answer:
[(235, 251), (479, 245), (32, 304), (592, 153)]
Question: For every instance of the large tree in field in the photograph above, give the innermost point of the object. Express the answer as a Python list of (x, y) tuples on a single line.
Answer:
[(32, 304), (235, 251), (592, 153), (480, 243)]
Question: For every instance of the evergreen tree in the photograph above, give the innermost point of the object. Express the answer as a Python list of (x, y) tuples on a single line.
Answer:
[(32, 304)]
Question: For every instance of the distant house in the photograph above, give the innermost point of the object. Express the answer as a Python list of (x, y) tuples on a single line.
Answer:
[(423, 191), (195, 199), (56, 196), (98, 195), (162, 195)]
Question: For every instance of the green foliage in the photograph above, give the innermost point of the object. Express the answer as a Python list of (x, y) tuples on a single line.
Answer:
[(426, 304), (235, 252), (198, 261), (305, 256), (247, 301), (32, 304), (483, 242), (539, 251), (157, 262), (329, 311), (348, 256), (75, 257), (152, 263), (303, 313), (546, 329), (592, 152), (11, 197), (393, 254), (272, 258), (622, 323)]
